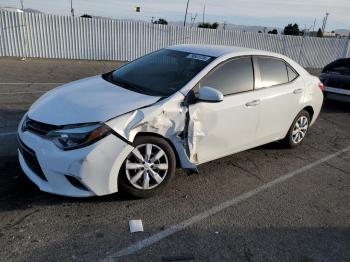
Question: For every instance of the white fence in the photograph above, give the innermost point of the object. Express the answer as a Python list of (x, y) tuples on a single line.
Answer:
[(52, 36)]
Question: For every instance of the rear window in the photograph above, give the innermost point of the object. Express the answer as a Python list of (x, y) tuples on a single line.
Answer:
[(340, 67), (272, 72)]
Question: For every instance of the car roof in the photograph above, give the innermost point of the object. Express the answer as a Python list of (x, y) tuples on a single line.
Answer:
[(211, 50)]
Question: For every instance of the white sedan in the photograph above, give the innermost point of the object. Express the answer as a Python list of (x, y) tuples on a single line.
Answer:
[(177, 107)]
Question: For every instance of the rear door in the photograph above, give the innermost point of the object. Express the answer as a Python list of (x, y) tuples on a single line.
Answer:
[(229, 126), (280, 90)]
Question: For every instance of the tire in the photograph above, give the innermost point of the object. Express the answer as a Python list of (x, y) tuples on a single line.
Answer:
[(291, 140), (137, 169)]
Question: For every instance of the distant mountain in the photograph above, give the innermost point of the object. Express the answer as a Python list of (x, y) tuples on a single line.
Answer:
[(13, 9)]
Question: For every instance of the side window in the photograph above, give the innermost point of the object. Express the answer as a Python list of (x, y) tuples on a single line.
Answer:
[(291, 73), (232, 77), (272, 72)]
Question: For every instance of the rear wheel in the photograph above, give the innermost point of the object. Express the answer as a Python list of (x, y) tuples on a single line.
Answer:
[(148, 168), (298, 130)]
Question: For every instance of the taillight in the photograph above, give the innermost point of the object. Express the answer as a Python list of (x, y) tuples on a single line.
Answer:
[(321, 86)]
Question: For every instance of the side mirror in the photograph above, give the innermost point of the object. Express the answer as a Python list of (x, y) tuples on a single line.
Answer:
[(209, 94)]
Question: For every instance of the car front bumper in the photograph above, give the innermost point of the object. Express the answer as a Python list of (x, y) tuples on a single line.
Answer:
[(83, 172)]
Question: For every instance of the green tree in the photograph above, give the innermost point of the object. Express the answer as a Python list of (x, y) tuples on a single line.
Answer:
[(86, 16), (273, 31), (160, 21), (319, 33), (209, 25), (215, 25), (291, 29)]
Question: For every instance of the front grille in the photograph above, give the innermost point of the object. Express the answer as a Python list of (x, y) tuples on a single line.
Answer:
[(38, 127), (31, 159)]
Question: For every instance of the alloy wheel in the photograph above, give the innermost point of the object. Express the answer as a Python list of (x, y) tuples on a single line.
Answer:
[(147, 166), (300, 129)]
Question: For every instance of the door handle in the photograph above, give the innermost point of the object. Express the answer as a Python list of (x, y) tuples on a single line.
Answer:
[(298, 91), (253, 103)]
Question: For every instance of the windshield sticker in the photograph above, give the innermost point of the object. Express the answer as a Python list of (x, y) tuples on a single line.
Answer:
[(198, 57)]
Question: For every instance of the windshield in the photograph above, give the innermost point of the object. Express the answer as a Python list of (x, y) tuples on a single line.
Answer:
[(161, 73)]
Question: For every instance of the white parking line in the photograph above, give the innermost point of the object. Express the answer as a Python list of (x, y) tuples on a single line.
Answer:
[(132, 249), (8, 134), (30, 83), (24, 92), (27, 92)]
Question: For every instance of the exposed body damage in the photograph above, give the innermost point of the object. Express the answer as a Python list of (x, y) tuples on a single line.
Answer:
[(195, 134), (166, 118)]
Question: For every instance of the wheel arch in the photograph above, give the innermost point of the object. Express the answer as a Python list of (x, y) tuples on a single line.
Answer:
[(310, 110)]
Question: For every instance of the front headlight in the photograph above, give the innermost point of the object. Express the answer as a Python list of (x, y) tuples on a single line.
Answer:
[(75, 137)]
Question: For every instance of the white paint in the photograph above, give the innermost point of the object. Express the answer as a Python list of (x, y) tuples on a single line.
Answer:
[(220, 129), (132, 249), (87, 100), (96, 166)]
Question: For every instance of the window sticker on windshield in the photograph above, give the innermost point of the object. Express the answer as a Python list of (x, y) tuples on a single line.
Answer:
[(198, 57)]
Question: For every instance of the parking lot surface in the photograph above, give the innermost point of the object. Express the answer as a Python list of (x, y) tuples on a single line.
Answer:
[(264, 204)]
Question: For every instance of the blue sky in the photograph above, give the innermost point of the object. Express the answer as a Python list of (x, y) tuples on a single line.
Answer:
[(271, 13)]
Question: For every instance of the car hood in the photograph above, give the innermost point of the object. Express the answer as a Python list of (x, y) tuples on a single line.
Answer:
[(87, 100)]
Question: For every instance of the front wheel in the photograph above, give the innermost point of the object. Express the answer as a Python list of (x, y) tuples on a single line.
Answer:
[(148, 168), (298, 130)]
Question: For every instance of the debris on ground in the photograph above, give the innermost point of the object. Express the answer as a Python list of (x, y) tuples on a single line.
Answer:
[(135, 226)]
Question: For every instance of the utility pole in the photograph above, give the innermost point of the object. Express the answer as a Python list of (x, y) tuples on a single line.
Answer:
[(186, 12), (313, 27), (224, 26), (71, 8), (203, 11), (22, 6)]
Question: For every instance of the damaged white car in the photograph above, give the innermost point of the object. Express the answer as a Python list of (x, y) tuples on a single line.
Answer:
[(177, 107)]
